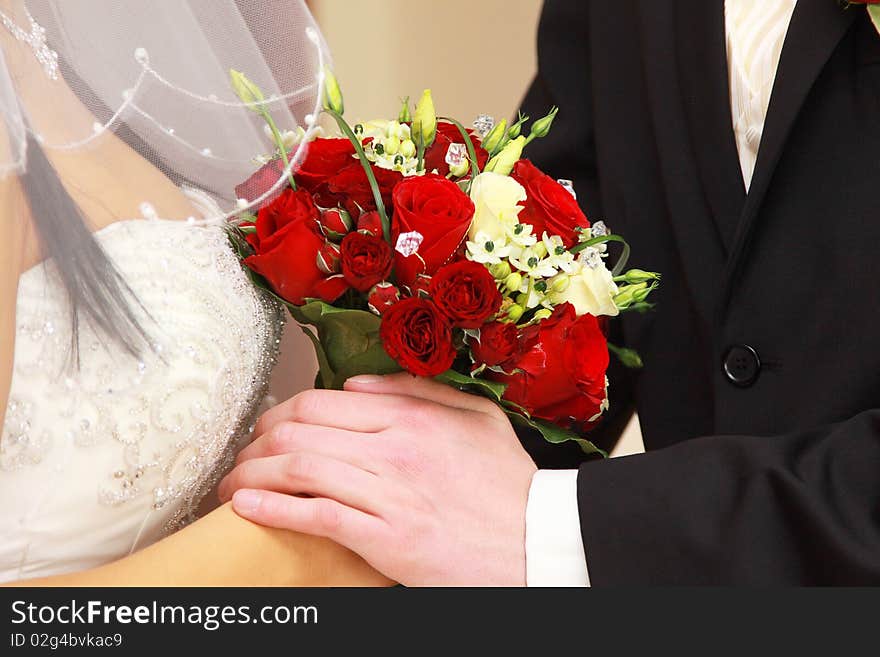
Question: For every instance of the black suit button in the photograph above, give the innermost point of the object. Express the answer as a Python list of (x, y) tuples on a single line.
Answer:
[(742, 365)]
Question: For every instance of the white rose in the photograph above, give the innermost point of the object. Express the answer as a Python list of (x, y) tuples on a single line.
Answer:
[(591, 290), (496, 205)]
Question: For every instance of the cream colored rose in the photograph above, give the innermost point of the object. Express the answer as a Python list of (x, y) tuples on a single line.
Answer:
[(591, 290), (496, 205)]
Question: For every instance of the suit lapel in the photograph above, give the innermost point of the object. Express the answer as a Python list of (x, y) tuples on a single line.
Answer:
[(702, 62), (815, 30), (675, 101)]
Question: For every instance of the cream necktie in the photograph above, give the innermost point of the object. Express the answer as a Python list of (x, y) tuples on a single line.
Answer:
[(755, 31)]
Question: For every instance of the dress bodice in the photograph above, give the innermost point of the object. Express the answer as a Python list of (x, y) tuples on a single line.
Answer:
[(101, 460)]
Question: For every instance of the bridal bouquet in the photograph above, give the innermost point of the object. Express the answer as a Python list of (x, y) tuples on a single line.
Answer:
[(416, 244)]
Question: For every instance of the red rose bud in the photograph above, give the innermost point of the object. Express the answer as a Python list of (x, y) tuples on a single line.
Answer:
[(498, 343), (560, 372), (549, 206), (417, 335), (335, 223), (366, 260), (420, 287), (370, 222), (466, 293), (328, 259), (440, 212), (382, 297), (286, 247)]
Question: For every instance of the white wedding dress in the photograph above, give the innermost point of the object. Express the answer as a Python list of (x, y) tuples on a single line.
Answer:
[(100, 461)]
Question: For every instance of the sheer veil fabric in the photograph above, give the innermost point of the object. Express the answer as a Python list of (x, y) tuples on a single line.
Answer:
[(155, 73)]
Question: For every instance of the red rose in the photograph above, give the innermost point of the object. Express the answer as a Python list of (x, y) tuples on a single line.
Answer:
[(289, 207), (447, 133), (440, 212), (382, 297), (549, 206), (466, 293), (324, 159), (366, 260), (351, 187), (417, 335), (498, 343), (287, 244), (562, 367)]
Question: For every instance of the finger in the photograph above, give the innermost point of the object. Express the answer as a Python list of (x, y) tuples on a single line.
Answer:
[(317, 516), (354, 411), (308, 473), (420, 387), (284, 437)]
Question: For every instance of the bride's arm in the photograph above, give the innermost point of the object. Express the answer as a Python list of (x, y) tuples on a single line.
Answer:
[(222, 549)]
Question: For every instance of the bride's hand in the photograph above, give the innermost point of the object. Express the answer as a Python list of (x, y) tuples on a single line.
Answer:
[(233, 551), (223, 549)]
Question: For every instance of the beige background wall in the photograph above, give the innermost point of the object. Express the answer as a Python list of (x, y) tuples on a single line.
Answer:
[(477, 56)]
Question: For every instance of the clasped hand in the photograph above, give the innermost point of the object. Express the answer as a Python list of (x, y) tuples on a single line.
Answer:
[(428, 484)]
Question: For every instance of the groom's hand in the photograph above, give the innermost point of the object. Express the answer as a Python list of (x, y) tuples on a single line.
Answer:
[(428, 484)]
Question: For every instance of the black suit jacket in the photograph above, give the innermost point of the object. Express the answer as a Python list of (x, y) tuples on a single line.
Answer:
[(775, 478)]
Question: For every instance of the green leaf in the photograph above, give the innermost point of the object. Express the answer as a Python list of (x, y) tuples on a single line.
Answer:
[(629, 357), (874, 13), (325, 372), (490, 389), (641, 307), (517, 414), (349, 339), (552, 433)]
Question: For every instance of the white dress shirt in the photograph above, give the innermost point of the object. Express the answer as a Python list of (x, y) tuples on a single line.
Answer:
[(755, 32)]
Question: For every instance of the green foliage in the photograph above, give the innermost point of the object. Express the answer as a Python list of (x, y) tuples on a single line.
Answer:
[(489, 389), (347, 342), (552, 433)]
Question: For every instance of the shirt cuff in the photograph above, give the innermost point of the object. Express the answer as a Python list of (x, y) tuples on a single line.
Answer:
[(554, 546)]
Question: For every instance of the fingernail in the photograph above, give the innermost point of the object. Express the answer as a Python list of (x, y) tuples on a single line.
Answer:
[(246, 502), (366, 379)]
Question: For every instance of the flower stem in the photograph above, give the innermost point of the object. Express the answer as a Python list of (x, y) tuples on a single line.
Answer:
[(276, 135), (420, 154), (371, 177)]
